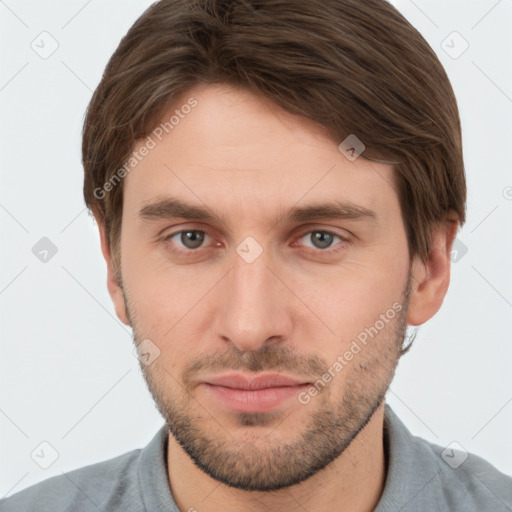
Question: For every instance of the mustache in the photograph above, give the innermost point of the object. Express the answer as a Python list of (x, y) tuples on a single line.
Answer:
[(267, 358)]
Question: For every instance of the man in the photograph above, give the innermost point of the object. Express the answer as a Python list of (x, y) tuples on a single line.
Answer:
[(277, 186)]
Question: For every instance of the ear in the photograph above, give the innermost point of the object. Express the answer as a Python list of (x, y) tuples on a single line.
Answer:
[(114, 288), (430, 279)]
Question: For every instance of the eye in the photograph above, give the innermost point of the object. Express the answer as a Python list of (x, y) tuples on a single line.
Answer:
[(189, 239), (323, 240)]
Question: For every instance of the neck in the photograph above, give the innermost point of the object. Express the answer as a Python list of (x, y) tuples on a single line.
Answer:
[(353, 482)]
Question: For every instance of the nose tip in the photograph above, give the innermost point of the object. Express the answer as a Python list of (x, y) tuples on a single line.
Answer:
[(250, 325), (246, 342)]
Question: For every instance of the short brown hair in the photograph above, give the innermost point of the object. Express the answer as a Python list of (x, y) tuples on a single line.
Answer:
[(355, 66)]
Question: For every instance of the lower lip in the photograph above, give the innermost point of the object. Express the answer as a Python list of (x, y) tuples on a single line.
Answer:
[(255, 400)]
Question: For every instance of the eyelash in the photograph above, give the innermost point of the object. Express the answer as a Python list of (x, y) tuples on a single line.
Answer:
[(336, 249)]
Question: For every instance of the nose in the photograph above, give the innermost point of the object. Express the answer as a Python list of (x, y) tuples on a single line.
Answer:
[(253, 306)]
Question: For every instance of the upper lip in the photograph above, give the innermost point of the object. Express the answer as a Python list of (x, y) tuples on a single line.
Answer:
[(261, 381)]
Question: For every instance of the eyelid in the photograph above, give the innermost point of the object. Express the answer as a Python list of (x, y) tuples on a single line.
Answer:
[(331, 231), (206, 231)]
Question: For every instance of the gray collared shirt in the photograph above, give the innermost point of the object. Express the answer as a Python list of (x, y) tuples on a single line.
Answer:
[(420, 478)]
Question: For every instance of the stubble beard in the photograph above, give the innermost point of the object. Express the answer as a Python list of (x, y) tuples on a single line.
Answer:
[(263, 463)]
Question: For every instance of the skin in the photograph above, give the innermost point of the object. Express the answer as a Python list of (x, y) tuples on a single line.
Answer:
[(293, 310)]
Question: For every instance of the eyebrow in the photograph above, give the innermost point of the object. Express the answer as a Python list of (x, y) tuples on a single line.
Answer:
[(170, 208)]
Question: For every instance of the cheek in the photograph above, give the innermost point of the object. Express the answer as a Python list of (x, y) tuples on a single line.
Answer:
[(168, 305), (353, 296)]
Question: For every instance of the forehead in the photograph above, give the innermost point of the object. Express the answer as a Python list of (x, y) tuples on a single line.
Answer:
[(235, 150)]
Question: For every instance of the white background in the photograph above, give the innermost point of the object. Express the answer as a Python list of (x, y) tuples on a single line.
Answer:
[(68, 375)]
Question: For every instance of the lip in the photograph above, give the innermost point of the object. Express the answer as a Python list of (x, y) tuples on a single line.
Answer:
[(261, 381), (260, 393)]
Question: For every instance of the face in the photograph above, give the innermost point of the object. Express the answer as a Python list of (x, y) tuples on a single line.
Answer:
[(271, 276)]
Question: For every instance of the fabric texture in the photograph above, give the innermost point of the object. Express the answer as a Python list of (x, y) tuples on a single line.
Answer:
[(418, 480)]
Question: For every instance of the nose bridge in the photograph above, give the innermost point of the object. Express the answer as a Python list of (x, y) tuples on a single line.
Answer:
[(254, 305)]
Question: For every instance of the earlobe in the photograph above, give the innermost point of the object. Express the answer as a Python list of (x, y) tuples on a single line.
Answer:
[(430, 279), (114, 288)]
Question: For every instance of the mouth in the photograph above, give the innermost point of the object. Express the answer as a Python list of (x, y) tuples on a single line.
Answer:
[(261, 393)]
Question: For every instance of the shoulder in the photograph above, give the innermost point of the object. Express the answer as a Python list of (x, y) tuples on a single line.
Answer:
[(425, 477), (89, 488), (469, 482)]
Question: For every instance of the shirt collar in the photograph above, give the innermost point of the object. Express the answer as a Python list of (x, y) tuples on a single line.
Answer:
[(153, 476), (412, 480)]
